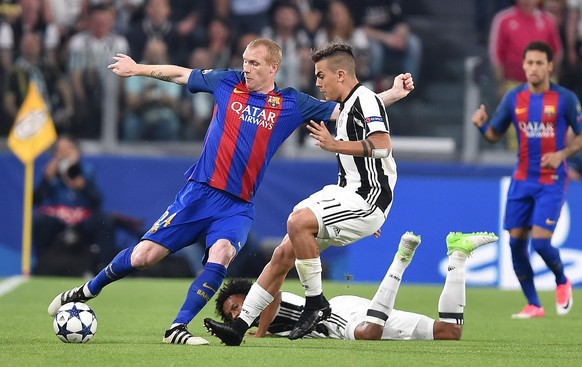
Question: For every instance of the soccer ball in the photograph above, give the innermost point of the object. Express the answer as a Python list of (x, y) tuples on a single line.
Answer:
[(75, 322)]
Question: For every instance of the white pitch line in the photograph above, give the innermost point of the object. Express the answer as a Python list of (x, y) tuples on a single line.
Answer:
[(9, 284)]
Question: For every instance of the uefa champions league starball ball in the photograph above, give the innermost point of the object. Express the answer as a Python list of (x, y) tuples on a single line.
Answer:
[(75, 322)]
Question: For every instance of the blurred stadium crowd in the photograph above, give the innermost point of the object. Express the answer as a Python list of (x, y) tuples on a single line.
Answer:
[(66, 45)]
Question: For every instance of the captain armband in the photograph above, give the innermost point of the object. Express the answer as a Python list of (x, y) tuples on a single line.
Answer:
[(380, 153)]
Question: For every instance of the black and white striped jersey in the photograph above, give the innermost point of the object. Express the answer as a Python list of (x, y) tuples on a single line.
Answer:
[(347, 312), (288, 313), (361, 114)]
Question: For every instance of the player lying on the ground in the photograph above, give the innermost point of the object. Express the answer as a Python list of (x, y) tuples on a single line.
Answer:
[(356, 318)]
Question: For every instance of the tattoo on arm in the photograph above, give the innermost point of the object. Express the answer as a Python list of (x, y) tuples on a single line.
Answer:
[(372, 147), (365, 146), (159, 75)]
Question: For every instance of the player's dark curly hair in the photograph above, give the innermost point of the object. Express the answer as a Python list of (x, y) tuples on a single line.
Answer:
[(234, 286), (541, 47)]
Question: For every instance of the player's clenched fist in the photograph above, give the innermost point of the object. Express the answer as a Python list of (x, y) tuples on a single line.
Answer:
[(479, 116)]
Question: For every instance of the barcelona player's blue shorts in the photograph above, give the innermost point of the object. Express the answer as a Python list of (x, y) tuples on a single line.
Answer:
[(202, 213), (530, 203)]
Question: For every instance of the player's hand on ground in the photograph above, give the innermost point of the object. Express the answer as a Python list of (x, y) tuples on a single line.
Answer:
[(479, 116), (377, 233), (252, 334), (123, 66), (322, 136)]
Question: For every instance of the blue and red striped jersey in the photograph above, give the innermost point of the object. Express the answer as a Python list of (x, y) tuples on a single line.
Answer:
[(246, 129), (541, 122)]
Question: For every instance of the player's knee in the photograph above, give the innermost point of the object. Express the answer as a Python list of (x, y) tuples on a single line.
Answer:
[(283, 258), (147, 254), (222, 252), (368, 331), (301, 220), (294, 222)]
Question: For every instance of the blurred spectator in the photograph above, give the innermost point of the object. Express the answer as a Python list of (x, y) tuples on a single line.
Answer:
[(90, 52), (340, 26), (155, 25), (31, 19), (10, 10), (559, 10), (240, 45), (197, 108), (127, 12), (572, 75), (219, 43), (297, 70), (393, 48), (191, 19), (53, 87), (151, 103), (311, 15), (484, 12), (66, 15), (574, 32), (512, 29), (245, 16), (68, 222)]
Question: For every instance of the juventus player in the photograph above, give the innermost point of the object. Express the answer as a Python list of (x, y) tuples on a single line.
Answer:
[(337, 215), (348, 319)]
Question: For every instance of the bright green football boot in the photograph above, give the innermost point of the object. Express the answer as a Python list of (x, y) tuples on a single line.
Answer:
[(468, 242)]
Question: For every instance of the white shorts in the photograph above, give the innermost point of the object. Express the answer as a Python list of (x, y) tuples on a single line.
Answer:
[(343, 216), (350, 311)]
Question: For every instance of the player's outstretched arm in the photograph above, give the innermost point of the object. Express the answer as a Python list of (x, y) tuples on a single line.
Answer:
[(125, 66), (402, 86)]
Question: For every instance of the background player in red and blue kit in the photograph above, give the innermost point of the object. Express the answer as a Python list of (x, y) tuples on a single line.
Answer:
[(252, 117), (541, 112)]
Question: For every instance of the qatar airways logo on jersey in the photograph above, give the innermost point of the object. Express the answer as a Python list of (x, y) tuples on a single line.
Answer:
[(254, 115), (537, 129)]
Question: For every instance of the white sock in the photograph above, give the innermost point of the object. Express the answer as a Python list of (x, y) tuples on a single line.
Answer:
[(383, 302), (309, 271), (452, 299), (86, 290), (255, 302)]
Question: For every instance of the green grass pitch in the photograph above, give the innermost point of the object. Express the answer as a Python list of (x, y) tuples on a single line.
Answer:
[(134, 313)]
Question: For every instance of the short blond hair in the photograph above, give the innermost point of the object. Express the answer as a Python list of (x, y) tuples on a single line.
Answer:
[(274, 52)]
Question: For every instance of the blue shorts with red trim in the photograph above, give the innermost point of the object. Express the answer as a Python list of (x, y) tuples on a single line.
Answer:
[(203, 213), (531, 203)]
